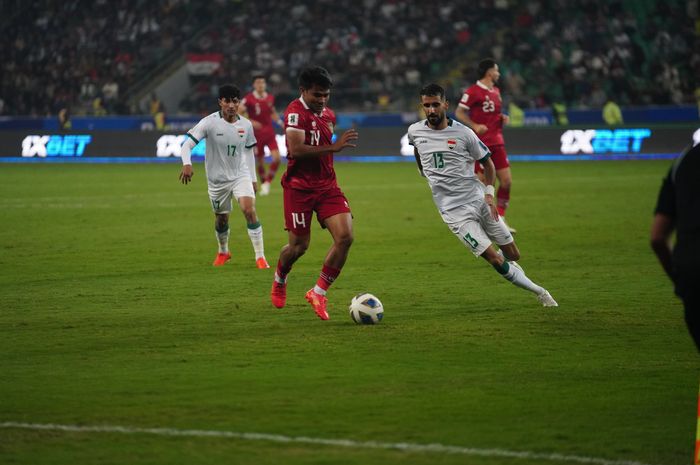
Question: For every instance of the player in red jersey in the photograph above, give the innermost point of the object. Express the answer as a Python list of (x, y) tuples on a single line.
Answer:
[(259, 107), (309, 185), (480, 109)]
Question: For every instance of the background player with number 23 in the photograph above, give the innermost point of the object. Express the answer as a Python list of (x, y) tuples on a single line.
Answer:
[(480, 109)]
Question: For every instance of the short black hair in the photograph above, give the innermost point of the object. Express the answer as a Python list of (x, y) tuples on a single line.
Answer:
[(229, 91), (484, 65), (258, 76), (433, 90), (315, 75)]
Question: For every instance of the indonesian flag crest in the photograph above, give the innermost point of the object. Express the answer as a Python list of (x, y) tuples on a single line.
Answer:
[(451, 144)]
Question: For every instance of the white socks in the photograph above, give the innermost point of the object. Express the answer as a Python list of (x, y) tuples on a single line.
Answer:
[(319, 290), (222, 238), (255, 232), (516, 275)]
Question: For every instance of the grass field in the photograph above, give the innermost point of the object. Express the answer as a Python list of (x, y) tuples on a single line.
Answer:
[(111, 314)]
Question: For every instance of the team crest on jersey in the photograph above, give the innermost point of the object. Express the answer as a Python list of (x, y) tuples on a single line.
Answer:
[(313, 123), (241, 133), (451, 144)]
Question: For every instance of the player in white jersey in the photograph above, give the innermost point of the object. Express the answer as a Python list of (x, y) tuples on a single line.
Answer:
[(445, 152), (230, 167)]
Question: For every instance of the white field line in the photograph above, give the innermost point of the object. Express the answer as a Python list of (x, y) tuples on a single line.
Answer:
[(349, 443)]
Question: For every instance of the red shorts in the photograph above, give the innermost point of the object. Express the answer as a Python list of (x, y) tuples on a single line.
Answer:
[(299, 206), (499, 157), (265, 138)]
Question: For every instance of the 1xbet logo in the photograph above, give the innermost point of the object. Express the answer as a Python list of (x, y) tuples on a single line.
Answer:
[(603, 140), (55, 146), (170, 146)]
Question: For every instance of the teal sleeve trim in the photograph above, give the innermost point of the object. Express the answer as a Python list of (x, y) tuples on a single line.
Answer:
[(486, 157), (251, 146), (193, 138)]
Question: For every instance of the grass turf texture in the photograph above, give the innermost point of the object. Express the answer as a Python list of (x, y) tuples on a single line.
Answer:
[(112, 314)]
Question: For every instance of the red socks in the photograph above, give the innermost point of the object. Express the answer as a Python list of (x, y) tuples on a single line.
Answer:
[(502, 198), (327, 276), (282, 272), (272, 170)]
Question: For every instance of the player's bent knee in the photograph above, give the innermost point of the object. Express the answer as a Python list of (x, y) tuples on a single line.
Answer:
[(513, 256), (299, 249), (345, 240)]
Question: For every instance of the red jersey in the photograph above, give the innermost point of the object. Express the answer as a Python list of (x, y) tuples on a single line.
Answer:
[(484, 107), (260, 109), (314, 172)]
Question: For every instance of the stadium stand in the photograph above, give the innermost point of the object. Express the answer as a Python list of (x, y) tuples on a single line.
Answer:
[(641, 52)]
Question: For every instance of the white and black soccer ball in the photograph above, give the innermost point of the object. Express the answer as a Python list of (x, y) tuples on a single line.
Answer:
[(366, 309)]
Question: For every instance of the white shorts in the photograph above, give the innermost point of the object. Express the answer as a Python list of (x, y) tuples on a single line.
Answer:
[(220, 194), (476, 228)]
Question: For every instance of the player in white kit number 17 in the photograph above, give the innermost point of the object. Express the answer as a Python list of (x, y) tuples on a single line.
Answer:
[(445, 152), (230, 168)]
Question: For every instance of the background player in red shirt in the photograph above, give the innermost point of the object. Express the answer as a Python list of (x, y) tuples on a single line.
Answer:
[(309, 185), (480, 109), (259, 107)]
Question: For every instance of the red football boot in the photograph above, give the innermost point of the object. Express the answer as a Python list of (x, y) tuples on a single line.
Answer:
[(222, 258), (318, 302), (278, 295)]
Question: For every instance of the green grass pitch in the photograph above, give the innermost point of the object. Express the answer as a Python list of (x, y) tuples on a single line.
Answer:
[(111, 314)]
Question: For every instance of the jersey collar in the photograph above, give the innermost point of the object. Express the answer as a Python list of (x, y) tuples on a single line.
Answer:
[(301, 99), (483, 86)]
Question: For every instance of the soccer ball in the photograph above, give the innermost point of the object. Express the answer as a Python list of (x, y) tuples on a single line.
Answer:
[(366, 309)]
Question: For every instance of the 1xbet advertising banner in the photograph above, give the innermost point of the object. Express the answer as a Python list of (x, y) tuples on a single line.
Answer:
[(548, 143)]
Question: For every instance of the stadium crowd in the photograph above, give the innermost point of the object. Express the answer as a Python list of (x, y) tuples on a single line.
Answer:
[(86, 54), (639, 52)]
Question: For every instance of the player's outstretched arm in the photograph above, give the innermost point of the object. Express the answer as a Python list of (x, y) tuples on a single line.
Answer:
[(462, 115), (489, 179), (186, 154), (298, 149), (346, 139)]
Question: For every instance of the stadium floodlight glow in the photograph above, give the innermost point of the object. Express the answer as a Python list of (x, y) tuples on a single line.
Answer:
[(600, 141), (55, 145)]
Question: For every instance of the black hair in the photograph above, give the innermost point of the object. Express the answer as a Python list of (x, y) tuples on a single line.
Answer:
[(484, 65), (229, 91), (433, 90), (258, 76), (315, 75)]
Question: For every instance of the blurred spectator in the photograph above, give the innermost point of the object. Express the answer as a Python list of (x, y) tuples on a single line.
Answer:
[(516, 114), (64, 122), (97, 108), (157, 110), (612, 114)]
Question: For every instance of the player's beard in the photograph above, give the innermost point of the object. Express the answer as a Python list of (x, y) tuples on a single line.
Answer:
[(436, 120)]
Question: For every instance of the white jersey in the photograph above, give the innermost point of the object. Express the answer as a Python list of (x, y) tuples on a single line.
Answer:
[(448, 156), (229, 153)]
